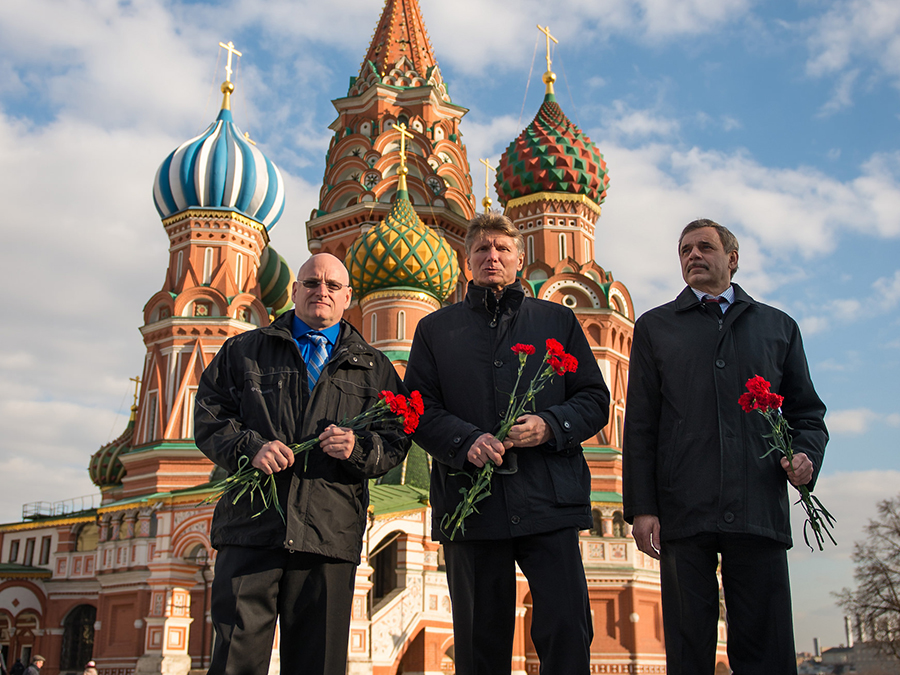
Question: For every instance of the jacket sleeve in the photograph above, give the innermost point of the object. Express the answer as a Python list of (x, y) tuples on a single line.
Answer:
[(218, 429), (802, 408), (642, 415), (585, 408), (380, 448), (443, 435)]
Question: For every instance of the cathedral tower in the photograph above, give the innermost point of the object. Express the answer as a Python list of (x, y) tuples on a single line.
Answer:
[(399, 83)]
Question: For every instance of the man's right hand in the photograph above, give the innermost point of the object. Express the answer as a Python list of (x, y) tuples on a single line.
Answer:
[(273, 457), (485, 448), (646, 534)]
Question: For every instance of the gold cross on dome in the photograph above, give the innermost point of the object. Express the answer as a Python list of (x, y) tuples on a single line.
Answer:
[(137, 384), (231, 52), (404, 134), (546, 31), (486, 202)]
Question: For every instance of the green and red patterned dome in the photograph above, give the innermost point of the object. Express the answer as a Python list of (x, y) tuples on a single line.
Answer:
[(551, 155)]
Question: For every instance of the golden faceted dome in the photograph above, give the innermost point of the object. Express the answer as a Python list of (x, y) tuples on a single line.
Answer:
[(402, 251)]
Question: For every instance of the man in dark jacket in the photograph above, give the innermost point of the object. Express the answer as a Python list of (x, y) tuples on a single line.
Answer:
[(265, 390), (462, 362), (696, 484)]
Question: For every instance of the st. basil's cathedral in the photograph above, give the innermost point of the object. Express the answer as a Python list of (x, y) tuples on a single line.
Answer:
[(127, 584)]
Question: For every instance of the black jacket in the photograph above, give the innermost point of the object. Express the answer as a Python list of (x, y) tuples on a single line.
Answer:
[(254, 391), (461, 361), (692, 456)]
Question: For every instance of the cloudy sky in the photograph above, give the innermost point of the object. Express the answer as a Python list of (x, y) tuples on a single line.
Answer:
[(778, 119)]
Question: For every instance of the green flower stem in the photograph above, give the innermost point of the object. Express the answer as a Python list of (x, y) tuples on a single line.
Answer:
[(257, 484), (818, 519), (481, 480)]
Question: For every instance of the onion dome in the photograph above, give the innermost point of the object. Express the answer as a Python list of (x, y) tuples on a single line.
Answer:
[(275, 280), (106, 468), (402, 251), (220, 169), (552, 155)]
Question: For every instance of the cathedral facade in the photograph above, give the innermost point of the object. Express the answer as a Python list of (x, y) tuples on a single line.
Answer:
[(126, 581)]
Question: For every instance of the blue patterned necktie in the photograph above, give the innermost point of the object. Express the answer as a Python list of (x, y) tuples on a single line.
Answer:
[(318, 355)]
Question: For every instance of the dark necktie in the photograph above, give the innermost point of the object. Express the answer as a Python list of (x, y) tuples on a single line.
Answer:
[(715, 305), (318, 355)]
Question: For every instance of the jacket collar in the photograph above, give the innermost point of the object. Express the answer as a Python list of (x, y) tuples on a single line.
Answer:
[(348, 340), (687, 299), (482, 297)]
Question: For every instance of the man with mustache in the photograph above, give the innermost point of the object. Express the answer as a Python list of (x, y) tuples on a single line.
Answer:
[(696, 484)]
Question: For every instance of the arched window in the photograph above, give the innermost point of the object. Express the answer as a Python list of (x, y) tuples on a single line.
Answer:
[(88, 538), (239, 271), (562, 246), (529, 246), (401, 325), (373, 329), (588, 254), (179, 266), (618, 525), (207, 265)]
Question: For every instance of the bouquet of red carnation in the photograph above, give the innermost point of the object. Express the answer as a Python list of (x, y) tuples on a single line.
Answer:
[(768, 404), (391, 409), (558, 362)]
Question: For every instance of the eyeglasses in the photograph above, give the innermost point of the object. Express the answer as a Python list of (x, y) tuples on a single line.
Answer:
[(333, 286)]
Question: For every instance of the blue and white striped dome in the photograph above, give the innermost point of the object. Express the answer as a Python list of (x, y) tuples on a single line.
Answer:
[(220, 169)]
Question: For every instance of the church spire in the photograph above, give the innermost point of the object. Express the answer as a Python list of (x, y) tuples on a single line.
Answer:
[(401, 33)]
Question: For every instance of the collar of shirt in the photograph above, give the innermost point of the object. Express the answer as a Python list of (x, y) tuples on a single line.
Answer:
[(300, 331), (726, 299)]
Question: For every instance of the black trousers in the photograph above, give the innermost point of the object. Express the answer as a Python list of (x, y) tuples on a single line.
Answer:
[(311, 594), (757, 599), (482, 580)]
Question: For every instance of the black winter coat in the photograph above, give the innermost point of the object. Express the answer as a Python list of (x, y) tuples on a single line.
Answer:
[(254, 391), (692, 456), (462, 362)]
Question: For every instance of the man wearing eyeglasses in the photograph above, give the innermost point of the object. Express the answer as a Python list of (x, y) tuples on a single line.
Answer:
[(265, 390)]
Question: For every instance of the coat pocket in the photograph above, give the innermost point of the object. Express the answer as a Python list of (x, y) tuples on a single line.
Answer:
[(571, 479)]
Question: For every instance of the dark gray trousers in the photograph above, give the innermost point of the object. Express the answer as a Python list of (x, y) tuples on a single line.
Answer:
[(311, 594)]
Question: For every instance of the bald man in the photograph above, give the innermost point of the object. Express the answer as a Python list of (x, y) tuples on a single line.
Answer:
[(265, 390)]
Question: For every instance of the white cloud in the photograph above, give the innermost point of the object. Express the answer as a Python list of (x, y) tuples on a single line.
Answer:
[(842, 95), (856, 421), (856, 31)]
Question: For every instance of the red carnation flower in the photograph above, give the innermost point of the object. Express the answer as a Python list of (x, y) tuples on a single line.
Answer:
[(523, 349), (554, 348), (570, 363), (416, 403)]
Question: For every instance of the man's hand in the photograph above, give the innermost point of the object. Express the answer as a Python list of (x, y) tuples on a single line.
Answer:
[(802, 470), (646, 535), (337, 442), (485, 448), (273, 457), (529, 431)]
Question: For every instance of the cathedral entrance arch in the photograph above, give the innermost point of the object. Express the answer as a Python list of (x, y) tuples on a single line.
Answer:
[(78, 638)]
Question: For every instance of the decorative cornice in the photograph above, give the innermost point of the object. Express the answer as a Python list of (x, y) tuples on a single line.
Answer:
[(217, 214), (400, 294), (48, 522), (554, 196)]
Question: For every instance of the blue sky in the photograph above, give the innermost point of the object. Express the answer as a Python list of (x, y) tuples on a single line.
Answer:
[(777, 119)]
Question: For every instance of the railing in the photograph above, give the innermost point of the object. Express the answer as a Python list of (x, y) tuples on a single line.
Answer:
[(35, 510)]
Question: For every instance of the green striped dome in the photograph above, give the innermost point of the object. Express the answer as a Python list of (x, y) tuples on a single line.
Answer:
[(402, 251), (551, 155), (275, 280), (106, 467)]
